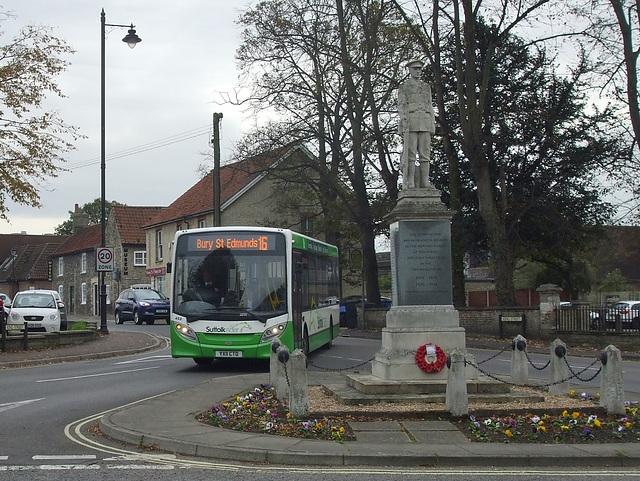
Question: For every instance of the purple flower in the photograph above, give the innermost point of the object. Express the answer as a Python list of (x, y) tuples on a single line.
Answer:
[(305, 424)]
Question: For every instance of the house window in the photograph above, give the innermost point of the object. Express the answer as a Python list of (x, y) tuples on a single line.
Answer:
[(60, 266), (83, 293), (161, 284), (202, 223), (159, 245), (140, 258), (83, 263), (61, 292), (307, 226)]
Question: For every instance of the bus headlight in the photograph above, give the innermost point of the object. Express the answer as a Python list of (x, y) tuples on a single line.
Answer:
[(273, 331), (186, 332)]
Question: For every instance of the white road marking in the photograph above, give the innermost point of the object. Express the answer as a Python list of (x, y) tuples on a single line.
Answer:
[(97, 375), (4, 458), (49, 457), (7, 406), (146, 359)]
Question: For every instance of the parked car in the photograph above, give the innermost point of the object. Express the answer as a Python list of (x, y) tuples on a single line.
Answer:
[(6, 300), (42, 310), (141, 304), (628, 312), (5, 303)]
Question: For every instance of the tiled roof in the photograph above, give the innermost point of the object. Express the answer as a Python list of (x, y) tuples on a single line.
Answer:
[(32, 262), (129, 221), (198, 200), (85, 239)]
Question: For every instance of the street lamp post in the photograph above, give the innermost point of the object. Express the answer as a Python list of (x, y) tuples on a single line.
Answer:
[(14, 254), (132, 40)]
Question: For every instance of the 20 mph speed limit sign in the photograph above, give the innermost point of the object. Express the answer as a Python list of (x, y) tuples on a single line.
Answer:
[(104, 259)]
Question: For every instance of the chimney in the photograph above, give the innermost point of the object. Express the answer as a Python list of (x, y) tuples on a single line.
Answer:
[(79, 219)]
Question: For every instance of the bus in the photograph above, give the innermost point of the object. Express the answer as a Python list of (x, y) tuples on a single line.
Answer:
[(236, 289)]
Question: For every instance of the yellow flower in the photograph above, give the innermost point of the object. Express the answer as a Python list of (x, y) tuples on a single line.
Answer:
[(564, 413), (508, 432), (627, 424), (575, 415), (564, 428), (572, 392), (341, 429), (543, 429), (288, 415), (540, 423), (597, 423)]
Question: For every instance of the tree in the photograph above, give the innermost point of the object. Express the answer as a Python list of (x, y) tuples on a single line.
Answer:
[(330, 69), (92, 210), (32, 143)]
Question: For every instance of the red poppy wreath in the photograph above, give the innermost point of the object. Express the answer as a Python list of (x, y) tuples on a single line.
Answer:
[(423, 362)]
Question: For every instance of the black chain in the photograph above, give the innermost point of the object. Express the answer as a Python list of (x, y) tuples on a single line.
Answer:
[(286, 374), (534, 366), (539, 386), (341, 368), (495, 355), (577, 375)]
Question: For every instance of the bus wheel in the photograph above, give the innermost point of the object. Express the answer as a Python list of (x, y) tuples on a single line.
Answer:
[(203, 361)]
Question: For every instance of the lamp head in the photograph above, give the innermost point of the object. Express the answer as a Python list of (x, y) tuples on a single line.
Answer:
[(131, 38)]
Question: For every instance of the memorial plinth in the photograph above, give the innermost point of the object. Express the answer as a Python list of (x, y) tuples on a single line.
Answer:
[(423, 311)]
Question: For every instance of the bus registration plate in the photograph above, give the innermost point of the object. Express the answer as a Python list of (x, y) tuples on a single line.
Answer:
[(228, 353)]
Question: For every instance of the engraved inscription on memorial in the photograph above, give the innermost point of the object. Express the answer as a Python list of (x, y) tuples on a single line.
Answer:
[(423, 263)]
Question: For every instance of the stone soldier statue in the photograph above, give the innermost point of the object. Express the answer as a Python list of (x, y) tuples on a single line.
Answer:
[(417, 123)]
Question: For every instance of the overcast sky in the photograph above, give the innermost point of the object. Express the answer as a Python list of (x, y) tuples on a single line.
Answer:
[(161, 92)]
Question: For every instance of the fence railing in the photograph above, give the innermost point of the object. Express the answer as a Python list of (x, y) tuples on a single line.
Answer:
[(584, 317)]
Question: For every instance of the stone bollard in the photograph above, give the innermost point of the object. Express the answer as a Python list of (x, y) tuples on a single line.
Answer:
[(611, 384), (277, 369), (519, 363), (299, 393), (457, 401), (559, 370)]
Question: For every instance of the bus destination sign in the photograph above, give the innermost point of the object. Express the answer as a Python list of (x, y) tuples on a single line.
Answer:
[(210, 242)]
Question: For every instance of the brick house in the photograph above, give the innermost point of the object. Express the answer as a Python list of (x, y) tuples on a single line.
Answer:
[(74, 273), (253, 192)]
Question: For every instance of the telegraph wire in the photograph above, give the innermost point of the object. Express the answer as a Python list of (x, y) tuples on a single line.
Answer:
[(157, 144)]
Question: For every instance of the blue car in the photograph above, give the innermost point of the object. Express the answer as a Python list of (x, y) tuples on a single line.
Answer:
[(142, 305)]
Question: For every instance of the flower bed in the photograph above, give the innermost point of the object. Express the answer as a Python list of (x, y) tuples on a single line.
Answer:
[(566, 427), (260, 411)]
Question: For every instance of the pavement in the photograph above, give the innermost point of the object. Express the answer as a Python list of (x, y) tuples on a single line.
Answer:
[(168, 422)]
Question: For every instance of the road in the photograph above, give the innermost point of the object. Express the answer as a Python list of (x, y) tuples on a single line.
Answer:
[(43, 408)]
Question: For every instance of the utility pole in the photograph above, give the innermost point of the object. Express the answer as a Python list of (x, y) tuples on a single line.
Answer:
[(216, 170)]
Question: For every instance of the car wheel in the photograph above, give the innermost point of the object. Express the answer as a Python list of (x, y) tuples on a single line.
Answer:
[(203, 361), (118, 318), (136, 318), (168, 321)]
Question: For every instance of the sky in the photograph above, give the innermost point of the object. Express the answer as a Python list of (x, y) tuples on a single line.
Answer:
[(160, 99)]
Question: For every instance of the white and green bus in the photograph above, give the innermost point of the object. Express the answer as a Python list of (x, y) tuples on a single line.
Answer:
[(236, 289)]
